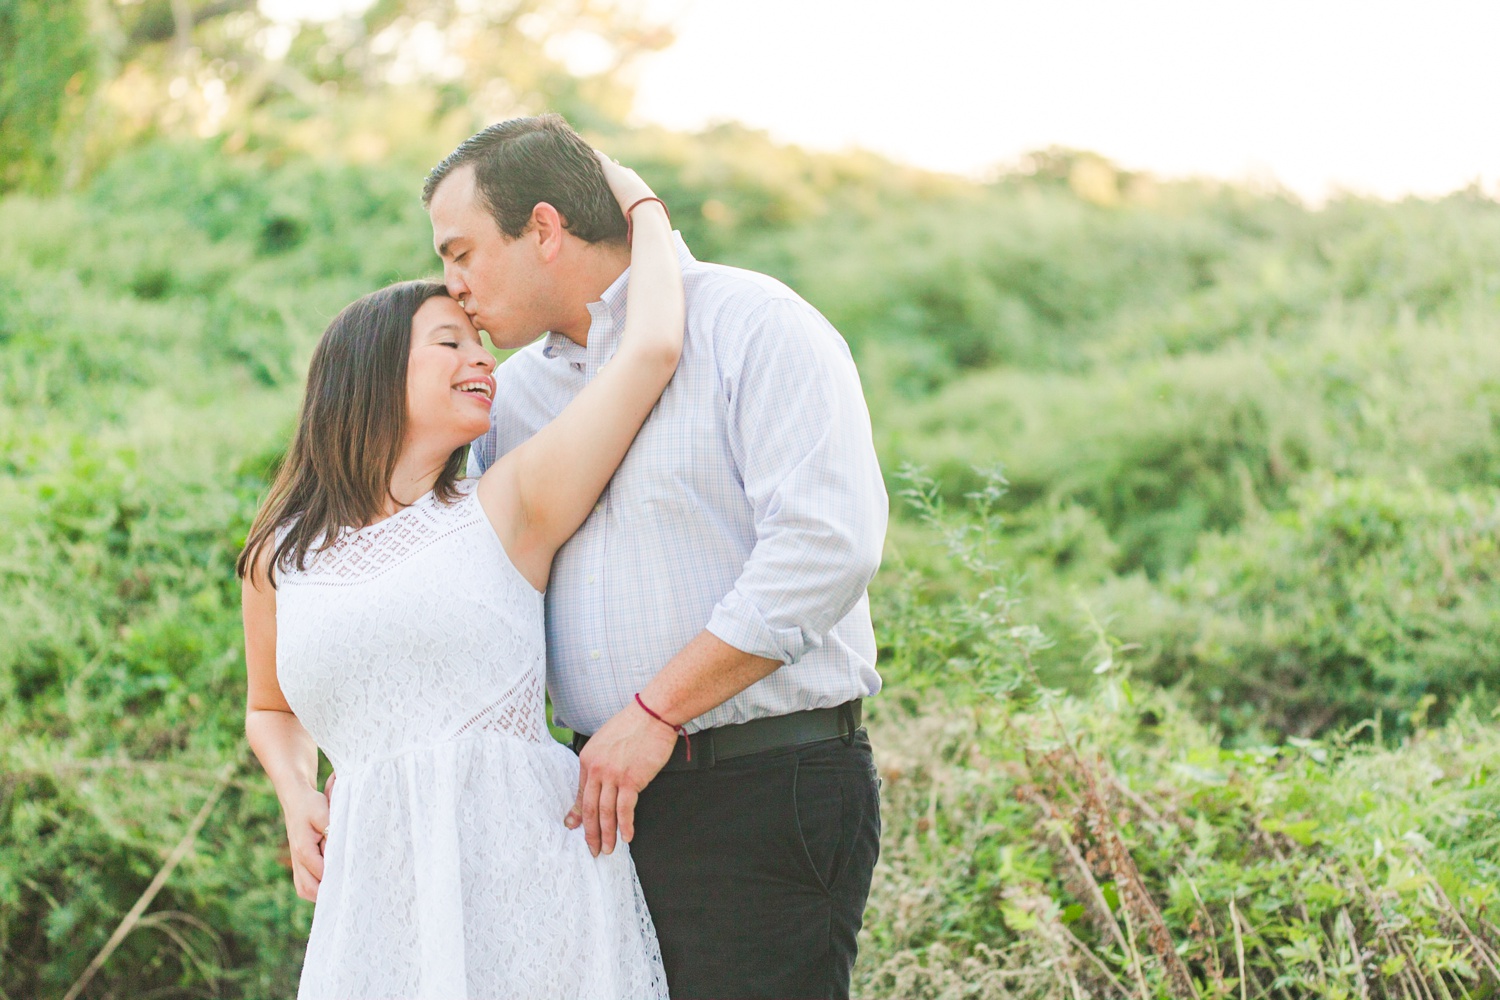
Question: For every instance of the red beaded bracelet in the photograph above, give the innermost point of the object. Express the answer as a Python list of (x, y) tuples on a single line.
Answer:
[(630, 232), (676, 729)]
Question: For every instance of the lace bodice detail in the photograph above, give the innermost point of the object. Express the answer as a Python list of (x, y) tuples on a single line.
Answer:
[(363, 554), (410, 632)]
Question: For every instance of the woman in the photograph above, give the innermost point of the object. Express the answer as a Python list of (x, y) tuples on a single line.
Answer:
[(393, 617)]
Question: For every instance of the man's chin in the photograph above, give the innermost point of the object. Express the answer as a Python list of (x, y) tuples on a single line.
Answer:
[(507, 340)]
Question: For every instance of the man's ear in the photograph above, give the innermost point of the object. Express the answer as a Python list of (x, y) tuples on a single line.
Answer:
[(548, 226)]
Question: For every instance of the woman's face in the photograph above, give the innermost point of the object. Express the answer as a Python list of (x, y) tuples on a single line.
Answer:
[(449, 388)]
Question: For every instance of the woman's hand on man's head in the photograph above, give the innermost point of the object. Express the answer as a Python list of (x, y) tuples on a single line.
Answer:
[(625, 184)]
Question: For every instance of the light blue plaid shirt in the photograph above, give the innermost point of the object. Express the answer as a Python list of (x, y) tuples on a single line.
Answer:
[(751, 504)]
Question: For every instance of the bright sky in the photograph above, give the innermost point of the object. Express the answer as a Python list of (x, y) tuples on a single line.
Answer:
[(1376, 96)]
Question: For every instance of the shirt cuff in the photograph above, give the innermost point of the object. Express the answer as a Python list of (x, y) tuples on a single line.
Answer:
[(740, 623)]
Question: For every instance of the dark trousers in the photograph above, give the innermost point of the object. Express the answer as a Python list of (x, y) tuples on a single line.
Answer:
[(756, 870)]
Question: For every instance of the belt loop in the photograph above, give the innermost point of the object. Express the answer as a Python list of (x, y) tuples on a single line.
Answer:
[(846, 716), (708, 756)]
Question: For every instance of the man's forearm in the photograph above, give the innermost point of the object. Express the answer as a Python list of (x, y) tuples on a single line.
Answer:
[(705, 674), (630, 749)]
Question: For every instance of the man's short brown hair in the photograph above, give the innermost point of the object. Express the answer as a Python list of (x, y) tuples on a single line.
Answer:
[(523, 161)]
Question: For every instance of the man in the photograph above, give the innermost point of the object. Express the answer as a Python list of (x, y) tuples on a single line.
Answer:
[(718, 588)]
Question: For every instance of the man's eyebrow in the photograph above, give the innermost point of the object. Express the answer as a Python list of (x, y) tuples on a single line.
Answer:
[(442, 250)]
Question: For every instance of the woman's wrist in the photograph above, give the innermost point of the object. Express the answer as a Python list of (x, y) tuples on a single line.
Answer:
[(650, 205), (291, 792), (293, 775), (633, 197), (649, 210)]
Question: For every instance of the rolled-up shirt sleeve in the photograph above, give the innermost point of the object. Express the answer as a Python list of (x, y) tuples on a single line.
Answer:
[(799, 431)]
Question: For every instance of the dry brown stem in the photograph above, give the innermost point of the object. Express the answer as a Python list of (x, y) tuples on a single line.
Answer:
[(1239, 947), (133, 918), (1132, 886), (1481, 948), (1355, 953)]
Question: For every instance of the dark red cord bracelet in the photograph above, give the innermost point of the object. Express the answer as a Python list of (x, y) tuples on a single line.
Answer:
[(676, 729), (629, 234)]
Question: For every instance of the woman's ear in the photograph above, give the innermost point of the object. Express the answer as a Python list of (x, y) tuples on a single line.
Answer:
[(548, 226)]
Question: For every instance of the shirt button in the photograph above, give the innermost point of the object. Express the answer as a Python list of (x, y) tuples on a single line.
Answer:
[(598, 507), (595, 655), (591, 578), (577, 366)]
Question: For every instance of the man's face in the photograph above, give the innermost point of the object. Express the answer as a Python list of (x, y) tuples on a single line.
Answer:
[(500, 282)]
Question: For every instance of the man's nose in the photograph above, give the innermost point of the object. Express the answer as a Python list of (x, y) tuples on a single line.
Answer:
[(454, 282)]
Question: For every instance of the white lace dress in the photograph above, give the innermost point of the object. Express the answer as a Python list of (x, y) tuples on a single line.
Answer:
[(413, 652)]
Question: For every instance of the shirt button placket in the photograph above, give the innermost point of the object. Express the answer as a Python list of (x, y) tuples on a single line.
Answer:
[(593, 594)]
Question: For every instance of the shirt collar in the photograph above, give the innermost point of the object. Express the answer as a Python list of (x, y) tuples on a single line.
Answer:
[(608, 316)]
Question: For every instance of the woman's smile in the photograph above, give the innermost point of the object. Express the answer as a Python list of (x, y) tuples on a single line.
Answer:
[(480, 388)]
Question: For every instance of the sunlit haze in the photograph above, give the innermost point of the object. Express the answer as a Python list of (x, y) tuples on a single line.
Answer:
[(1375, 97)]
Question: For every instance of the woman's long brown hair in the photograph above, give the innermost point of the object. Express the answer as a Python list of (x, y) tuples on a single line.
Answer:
[(338, 472)]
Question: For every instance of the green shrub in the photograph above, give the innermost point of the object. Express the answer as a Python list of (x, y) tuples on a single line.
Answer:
[(1362, 600), (1162, 450)]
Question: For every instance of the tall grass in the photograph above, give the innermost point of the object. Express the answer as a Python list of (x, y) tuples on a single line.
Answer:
[(1108, 845)]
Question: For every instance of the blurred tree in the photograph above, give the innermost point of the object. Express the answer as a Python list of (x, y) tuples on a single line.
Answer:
[(84, 78), (46, 58), (571, 56)]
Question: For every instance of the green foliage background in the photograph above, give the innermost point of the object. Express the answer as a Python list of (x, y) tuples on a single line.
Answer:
[(1227, 622)]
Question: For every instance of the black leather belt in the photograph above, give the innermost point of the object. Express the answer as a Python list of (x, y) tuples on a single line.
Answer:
[(776, 732)]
